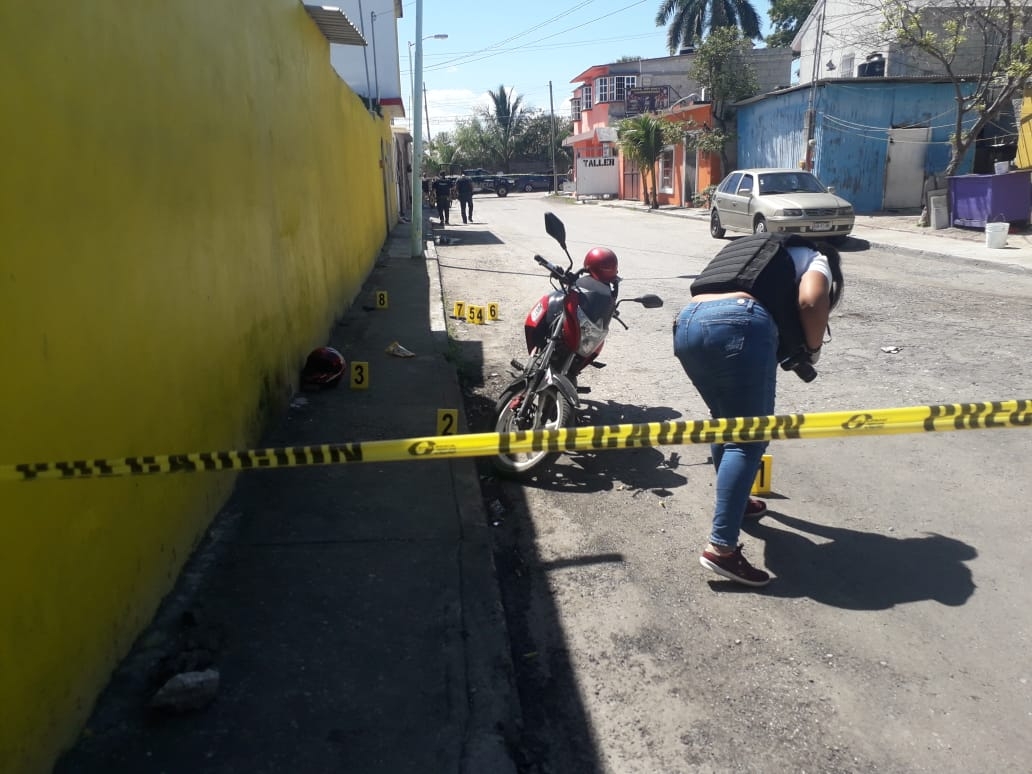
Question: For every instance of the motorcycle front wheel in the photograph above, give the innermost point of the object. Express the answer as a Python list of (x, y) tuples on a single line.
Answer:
[(548, 410)]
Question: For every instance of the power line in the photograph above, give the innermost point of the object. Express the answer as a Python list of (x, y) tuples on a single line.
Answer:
[(490, 52), (546, 47), (527, 31), (551, 46)]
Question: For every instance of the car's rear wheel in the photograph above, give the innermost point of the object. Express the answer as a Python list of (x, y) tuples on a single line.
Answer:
[(528, 187), (502, 190), (715, 229), (760, 226)]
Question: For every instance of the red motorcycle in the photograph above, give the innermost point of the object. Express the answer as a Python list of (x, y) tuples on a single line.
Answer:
[(565, 332)]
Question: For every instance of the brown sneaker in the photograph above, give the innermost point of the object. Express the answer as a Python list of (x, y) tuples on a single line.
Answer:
[(756, 509), (734, 567)]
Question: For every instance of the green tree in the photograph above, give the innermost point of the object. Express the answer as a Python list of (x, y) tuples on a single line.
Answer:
[(503, 133), (786, 17), (534, 142), (503, 122), (687, 20), (948, 34), (476, 141), (473, 145), (440, 153), (720, 65), (704, 138), (642, 139)]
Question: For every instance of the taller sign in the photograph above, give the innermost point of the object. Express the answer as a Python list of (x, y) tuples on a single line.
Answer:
[(598, 176)]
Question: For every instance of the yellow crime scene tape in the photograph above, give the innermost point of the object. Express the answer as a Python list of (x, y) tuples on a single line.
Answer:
[(776, 427)]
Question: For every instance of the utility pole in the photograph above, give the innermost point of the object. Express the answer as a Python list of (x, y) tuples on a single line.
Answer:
[(810, 119), (417, 132), (416, 227), (551, 131), (365, 57), (426, 112), (376, 71)]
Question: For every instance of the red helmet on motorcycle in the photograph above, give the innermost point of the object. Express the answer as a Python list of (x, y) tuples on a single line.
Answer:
[(601, 264), (324, 366)]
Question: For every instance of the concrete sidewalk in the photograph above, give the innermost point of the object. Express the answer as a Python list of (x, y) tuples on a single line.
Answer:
[(352, 612)]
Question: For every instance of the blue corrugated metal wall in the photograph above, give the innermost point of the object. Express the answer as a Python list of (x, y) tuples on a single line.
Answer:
[(851, 132), (770, 131)]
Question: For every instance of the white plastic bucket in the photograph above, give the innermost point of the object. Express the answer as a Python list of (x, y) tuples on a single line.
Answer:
[(1001, 167), (996, 234)]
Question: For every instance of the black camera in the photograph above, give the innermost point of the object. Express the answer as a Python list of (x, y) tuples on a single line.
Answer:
[(800, 362)]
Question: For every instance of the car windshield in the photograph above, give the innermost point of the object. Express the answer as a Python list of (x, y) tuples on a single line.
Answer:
[(789, 182)]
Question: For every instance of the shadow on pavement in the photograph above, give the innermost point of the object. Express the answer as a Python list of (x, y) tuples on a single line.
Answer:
[(588, 473), (582, 561), (556, 733), (855, 570), (481, 270), (464, 234), (852, 244), (644, 468)]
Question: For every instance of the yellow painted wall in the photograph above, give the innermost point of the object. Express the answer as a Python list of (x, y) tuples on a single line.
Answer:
[(189, 195), (1024, 157)]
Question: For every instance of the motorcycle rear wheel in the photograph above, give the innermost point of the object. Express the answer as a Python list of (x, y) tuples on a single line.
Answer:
[(549, 411)]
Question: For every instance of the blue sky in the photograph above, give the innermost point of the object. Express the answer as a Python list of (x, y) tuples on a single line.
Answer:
[(524, 45)]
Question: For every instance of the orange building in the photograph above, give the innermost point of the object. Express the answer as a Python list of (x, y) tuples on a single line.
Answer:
[(605, 95), (681, 173)]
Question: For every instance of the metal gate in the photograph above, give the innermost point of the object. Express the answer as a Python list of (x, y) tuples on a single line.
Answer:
[(631, 185), (904, 168), (691, 176)]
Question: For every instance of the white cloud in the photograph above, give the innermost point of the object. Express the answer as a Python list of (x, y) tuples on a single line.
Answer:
[(446, 108)]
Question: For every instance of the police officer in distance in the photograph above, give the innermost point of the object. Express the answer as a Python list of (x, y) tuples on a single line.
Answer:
[(442, 188)]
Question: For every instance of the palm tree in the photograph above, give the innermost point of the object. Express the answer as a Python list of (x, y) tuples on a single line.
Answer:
[(691, 18), (642, 140), (441, 152), (507, 116)]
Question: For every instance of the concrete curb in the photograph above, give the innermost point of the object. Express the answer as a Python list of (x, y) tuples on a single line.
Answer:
[(493, 713)]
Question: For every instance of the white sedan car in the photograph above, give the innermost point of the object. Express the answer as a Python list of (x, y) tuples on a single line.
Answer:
[(787, 201)]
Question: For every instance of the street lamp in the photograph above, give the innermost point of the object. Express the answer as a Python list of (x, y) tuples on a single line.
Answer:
[(415, 94), (417, 131), (412, 85)]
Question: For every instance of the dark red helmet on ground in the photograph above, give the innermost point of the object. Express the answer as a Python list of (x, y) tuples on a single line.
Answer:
[(601, 264), (324, 366)]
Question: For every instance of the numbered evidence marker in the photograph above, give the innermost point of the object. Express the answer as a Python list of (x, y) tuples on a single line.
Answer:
[(359, 375), (381, 299), (459, 310), (447, 421), (475, 314), (492, 311), (762, 484)]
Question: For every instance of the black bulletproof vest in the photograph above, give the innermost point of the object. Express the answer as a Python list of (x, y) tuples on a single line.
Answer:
[(761, 266)]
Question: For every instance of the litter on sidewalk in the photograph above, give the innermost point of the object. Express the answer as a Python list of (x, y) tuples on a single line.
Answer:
[(394, 348)]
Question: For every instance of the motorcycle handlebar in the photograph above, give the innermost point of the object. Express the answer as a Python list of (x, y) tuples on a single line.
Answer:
[(555, 271)]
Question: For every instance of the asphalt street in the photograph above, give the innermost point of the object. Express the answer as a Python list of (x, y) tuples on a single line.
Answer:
[(892, 638)]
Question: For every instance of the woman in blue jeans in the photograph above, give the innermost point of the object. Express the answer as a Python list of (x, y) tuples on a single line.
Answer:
[(727, 340)]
